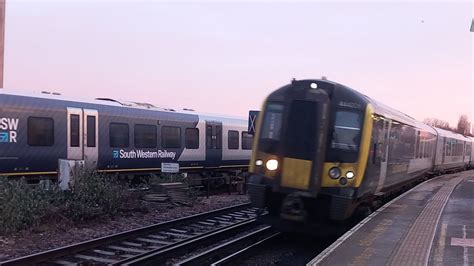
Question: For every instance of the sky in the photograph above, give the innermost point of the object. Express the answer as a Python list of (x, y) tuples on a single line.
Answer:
[(226, 57)]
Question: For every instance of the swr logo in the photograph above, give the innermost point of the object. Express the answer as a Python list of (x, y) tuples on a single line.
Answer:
[(9, 125)]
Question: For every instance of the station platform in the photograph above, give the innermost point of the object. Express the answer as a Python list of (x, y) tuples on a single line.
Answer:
[(432, 224)]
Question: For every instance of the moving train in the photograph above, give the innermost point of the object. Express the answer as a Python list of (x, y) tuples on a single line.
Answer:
[(38, 129), (324, 152)]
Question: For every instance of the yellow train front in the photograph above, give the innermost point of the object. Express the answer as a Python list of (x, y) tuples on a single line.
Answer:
[(310, 152)]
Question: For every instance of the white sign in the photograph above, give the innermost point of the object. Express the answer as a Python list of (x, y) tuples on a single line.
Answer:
[(169, 167)]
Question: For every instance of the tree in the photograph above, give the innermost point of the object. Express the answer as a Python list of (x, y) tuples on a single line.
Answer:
[(435, 122), (464, 126)]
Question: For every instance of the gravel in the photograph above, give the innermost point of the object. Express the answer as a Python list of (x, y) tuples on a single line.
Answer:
[(57, 234)]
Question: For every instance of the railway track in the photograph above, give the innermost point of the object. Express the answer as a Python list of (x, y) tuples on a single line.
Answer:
[(152, 244), (234, 249)]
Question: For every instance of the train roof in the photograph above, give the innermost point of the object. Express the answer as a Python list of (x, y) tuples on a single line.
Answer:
[(389, 112), (119, 103), (451, 134)]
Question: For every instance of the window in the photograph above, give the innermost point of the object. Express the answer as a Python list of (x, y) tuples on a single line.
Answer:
[(271, 126), (214, 136), (145, 136), (171, 137), (40, 131), (118, 135), (91, 131), (74, 128), (417, 143), (346, 134), (247, 140), (218, 137), (209, 137), (233, 139), (191, 138)]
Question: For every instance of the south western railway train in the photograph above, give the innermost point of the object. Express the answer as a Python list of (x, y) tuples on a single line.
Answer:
[(324, 152), (38, 129)]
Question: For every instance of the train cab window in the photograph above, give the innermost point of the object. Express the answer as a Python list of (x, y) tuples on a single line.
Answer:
[(347, 131), (271, 126), (145, 136), (40, 131), (247, 140), (74, 130), (171, 137), (233, 140), (91, 131), (191, 138), (119, 135)]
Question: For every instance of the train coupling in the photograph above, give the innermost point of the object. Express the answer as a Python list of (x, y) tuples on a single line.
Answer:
[(293, 208)]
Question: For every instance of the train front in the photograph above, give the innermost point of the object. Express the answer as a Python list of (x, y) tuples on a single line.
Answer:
[(310, 151)]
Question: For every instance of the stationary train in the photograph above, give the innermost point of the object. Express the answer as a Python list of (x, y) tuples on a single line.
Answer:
[(38, 129), (324, 152)]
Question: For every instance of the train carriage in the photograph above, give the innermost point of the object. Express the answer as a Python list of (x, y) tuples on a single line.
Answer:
[(323, 151), (453, 151), (36, 130)]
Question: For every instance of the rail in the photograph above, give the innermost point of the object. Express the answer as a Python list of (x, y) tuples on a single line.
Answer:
[(126, 246)]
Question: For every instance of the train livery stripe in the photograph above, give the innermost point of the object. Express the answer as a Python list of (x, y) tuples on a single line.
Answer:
[(364, 145), (233, 166), (123, 170), (181, 168), (29, 173)]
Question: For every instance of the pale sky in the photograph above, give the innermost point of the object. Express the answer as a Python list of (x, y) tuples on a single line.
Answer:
[(222, 57)]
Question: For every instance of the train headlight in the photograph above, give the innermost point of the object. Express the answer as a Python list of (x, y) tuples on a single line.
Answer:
[(334, 173), (350, 174), (258, 162), (272, 164)]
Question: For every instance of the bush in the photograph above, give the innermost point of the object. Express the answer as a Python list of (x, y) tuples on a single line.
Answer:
[(21, 205), (91, 195)]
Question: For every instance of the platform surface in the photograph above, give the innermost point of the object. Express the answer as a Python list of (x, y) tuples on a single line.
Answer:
[(432, 224)]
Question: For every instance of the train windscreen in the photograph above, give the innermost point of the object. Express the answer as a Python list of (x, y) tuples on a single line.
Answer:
[(271, 127), (346, 136)]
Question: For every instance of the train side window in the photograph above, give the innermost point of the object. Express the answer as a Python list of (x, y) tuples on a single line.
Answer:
[(247, 140), (74, 129), (191, 138), (145, 136), (171, 137), (218, 137), (119, 135), (233, 140), (209, 137), (40, 131), (91, 131)]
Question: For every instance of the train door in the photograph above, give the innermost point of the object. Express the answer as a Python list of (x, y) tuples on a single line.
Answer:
[(74, 133), (91, 137), (82, 135), (444, 150), (387, 125), (213, 143)]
